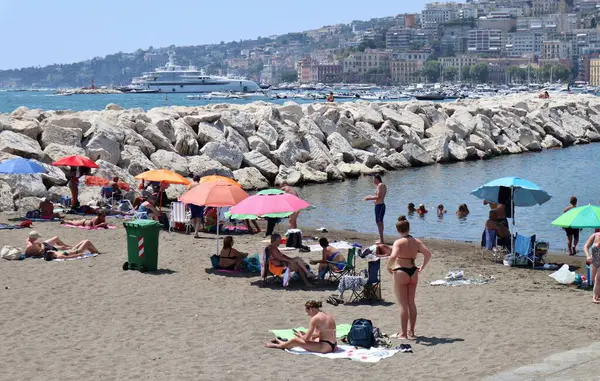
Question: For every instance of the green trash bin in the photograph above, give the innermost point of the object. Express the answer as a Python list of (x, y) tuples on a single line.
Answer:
[(142, 245)]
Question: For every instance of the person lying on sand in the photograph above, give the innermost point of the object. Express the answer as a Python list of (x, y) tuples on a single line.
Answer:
[(55, 248), (296, 264), (97, 222), (320, 337)]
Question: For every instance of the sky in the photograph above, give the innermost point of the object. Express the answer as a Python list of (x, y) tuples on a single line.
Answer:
[(43, 32)]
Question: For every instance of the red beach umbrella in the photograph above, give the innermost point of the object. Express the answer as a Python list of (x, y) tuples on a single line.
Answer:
[(75, 161)]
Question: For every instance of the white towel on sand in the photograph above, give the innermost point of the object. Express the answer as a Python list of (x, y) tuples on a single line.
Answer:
[(351, 353), (342, 245)]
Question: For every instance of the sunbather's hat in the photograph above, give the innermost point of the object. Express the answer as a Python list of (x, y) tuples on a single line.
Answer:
[(34, 235)]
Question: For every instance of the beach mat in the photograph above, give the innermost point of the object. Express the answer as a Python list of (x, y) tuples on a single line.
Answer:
[(82, 256), (349, 352), (341, 330), (10, 227), (89, 227)]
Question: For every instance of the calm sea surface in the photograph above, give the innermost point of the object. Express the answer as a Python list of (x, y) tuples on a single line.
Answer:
[(572, 171), (562, 173)]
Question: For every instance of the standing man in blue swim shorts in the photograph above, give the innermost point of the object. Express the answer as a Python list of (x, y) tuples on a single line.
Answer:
[(379, 200)]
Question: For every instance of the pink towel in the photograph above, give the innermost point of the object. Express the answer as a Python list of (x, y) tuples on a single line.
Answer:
[(89, 227)]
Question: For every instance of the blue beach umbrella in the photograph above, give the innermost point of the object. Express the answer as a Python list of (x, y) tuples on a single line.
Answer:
[(522, 193), (20, 166)]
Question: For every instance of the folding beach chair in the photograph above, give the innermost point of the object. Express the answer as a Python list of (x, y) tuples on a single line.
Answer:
[(270, 271), (106, 195), (372, 289), (489, 244), (180, 215), (348, 269), (528, 250)]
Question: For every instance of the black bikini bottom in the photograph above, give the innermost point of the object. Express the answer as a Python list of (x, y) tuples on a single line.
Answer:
[(408, 270), (333, 345)]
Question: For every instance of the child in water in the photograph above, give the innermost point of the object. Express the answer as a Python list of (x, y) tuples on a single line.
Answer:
[(440, 210)]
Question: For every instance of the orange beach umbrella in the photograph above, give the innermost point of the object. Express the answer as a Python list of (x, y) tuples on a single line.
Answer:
[(99, 181), (217, 178), (163, 176)]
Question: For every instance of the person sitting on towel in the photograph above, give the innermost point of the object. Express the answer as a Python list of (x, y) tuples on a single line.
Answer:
[(296, 264), (95, 223), (320, 337), (54, 248), (47, 210), (149, 207), (332, 259), (230, 258)]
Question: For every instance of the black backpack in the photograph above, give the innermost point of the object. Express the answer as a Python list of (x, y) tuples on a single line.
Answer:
[(361, 334)]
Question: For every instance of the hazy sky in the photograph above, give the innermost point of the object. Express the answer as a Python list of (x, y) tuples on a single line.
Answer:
[(42, 32)]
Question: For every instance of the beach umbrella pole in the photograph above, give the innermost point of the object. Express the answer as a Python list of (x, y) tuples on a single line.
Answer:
[(218, 231)]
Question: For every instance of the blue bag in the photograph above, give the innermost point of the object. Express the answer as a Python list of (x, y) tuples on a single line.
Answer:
[(361, 334)]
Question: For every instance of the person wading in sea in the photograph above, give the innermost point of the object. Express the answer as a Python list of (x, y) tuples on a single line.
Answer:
[(379, 199)]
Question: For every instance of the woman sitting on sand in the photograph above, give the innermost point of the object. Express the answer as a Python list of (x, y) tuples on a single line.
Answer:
[(592, 253), (462, 211), (230, 258), (97, 222), (332, 259), (405, 275), (149, 207), (320, 337)]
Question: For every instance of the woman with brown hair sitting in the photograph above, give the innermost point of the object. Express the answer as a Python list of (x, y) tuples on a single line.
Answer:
[(230, 258)]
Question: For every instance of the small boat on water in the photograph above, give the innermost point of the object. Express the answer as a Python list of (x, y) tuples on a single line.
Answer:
[(430, 97)]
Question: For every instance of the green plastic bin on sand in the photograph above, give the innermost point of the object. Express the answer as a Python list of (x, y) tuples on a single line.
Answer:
[(142, 245)]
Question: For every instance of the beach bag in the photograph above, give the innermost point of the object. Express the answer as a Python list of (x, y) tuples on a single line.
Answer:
[(214, 261), (252, 264), (361, 334), (33, 214), (294, 238), (11, 253)]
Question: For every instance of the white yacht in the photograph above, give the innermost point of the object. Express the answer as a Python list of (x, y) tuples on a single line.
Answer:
[(188, 79)]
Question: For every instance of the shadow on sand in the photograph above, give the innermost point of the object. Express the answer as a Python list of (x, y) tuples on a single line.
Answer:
[(433, 341)]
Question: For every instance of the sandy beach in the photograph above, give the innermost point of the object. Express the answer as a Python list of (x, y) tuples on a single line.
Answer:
[(90, 320)]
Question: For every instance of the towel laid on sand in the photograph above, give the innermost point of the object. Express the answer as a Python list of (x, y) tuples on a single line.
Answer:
[(9, 227), (82, 256), (341, 330), (42, 219), (89, 227), (351, 353), (342, 245)]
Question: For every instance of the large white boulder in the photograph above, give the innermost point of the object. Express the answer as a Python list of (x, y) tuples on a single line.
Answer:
[(550, 142), (61, 135), (103, 147), (461, 123), (456, 151), (186, 140), (170, 160), (290, 153), (29, 128), (308, 126), (108, 170), (79, 121), (394, 161), (288, 175), (268, 134), (154, 135), (368, 114), (338, 145), (375, 138), (508, 146), (326, 126), (250, 178), (437, 148), (394, 138), (132, 138), (476, 141), (205, 166), (20, 145), (557, 131), (416, 155), (53, 176), (6, 198), (259, 161), (240, 121), (58, 151), (236, 139), (317, 149), (310, 174), (225, 153), (355, 135), (134, 160), (208, 133), (257, 144), (25, 185)]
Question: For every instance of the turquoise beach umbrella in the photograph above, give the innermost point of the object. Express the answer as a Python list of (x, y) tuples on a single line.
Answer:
[(583, 217)]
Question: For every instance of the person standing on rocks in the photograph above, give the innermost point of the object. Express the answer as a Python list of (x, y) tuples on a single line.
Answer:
[(379, 199), (294, 216)]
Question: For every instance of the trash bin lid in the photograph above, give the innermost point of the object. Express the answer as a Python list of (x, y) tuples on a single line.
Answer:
[(142, 224)]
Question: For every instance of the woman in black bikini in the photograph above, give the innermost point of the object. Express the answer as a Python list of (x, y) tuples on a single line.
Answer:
[(320, 337), (230, 258), (405, 275)]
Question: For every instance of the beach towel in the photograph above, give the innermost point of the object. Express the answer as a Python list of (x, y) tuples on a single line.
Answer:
[(371, 355), (89, 227), (82, 256), (9, 227), (42, 219), (341, 330)]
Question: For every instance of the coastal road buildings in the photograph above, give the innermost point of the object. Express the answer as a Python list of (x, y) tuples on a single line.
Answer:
[(485, 41), (458, 62), (399, 38), (405, 67), (518, 44), (594, 72)]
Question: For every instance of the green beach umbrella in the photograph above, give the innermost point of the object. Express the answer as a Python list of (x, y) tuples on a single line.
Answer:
[(270, 191), (584, 217)]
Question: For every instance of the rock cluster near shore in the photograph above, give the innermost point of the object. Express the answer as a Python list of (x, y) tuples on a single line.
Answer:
[(262, 144)]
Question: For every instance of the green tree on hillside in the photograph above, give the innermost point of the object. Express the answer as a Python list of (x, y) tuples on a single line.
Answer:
[(450, 73), (431, 71), (480, 73)]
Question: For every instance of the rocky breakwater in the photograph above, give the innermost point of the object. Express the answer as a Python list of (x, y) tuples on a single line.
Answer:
[(262, 144)]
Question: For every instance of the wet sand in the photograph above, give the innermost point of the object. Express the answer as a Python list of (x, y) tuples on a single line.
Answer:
[(90, 320)]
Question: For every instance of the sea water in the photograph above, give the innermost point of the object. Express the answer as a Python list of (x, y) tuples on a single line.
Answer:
[(563, 173)]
